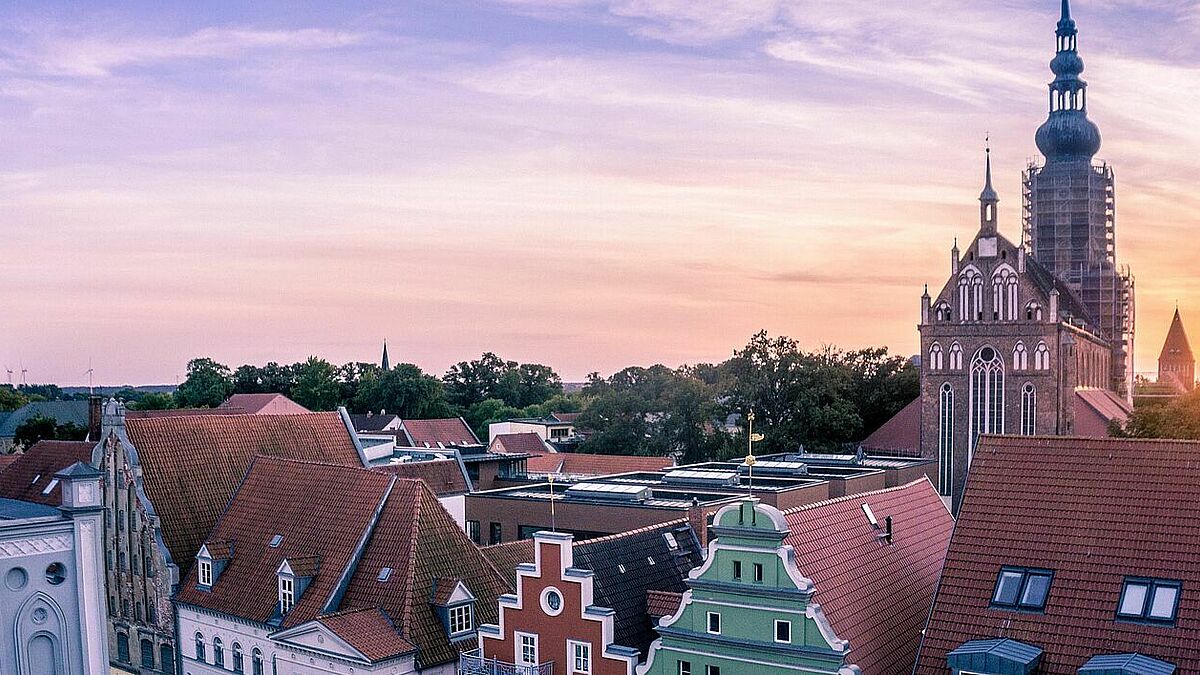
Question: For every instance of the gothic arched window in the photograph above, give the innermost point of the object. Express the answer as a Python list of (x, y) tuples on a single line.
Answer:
[(1028, 409), (200, 647), (1020, 357), (1033, 312), (1041, 357), (956, 356), (970, 294), (946, 439), (987, 395), (218, 652), (935, 357)]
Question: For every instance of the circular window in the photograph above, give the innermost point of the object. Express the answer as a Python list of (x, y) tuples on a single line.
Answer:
[(16, 579), (56, 573), (987, 354), (552, 601), (40, 615)]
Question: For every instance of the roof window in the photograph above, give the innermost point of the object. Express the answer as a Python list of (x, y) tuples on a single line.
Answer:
[(276, 541), (1154, 600), (672, 542), (35, 479), (384, 574), (1022, 588), (50, 486)]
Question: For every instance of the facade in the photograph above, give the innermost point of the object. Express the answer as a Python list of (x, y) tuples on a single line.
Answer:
[(749, 610), (1072, 555), (167, 480), (52, 566), (1176, 363), (557, 428), (383, 581)]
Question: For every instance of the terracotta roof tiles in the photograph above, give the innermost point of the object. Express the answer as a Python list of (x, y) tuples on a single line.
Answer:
[(443, 476), (525, 442), (369, 631), (443, 432), (31, 473), (264, 404)]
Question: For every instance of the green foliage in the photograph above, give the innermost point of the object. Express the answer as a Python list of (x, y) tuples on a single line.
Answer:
[(1179, 418), (317, 386), (490, 377), (11, 399), (151, 401), (42, 392), (208, 383), (405, 391), (39, 428)]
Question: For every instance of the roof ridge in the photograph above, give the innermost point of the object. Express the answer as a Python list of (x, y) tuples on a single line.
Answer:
[(860, 495), (406, 614), (640, 530), (346, 612), (1008, 439)]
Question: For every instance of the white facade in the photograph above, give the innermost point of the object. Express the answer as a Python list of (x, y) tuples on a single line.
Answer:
[(559, 431)]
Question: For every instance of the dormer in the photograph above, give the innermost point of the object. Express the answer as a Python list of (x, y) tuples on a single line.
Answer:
[(211, 562), (455, 606), (294, 575)]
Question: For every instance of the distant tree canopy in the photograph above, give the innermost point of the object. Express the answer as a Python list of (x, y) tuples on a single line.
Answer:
[(39, 428), (822, 399), (11, 399), (1177, 418)]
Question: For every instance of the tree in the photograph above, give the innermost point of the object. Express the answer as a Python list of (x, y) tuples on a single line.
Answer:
[(491, 377), (247, 379), (616, 423), (207, 385), (38, 428), (11, 399), (405, 391), (1178, 418), (317, 386), (152, 401)]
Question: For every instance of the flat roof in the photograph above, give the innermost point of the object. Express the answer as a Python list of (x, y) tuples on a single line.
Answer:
[(15, 509)]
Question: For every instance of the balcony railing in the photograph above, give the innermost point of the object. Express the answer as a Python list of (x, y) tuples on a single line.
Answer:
[(474, 663)]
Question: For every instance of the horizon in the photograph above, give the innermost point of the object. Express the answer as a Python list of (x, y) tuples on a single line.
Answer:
[(587, 184)]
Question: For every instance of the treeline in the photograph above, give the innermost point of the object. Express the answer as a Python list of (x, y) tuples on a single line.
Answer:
[(1177, 418), (822, 399)]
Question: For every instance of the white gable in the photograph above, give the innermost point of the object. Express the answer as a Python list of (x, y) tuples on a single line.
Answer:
[(314, 636), (460, 594)]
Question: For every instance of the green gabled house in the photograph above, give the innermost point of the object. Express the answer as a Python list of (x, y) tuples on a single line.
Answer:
[(749, 611)]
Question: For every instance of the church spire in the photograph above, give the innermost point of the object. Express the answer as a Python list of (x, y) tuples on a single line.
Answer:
[(988, 199), (1067, 134), (385, 365)]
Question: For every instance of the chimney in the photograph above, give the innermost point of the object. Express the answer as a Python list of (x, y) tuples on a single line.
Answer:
[(113, 417), (95, 411), (699, 522), (888, 520)]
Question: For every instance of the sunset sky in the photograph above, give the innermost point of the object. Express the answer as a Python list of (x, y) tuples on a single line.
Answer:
[(585, 183)]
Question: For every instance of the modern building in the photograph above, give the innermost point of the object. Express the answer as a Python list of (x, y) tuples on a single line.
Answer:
[(1072, 555), (62, 412), (582, 607), (556, 428), (32, 475), (575, 466), (167, 479), (52, 566), (749, 610), (366, 573)]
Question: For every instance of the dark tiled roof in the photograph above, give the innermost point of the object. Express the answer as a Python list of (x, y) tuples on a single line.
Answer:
[(662, 603), (264, 404), (62, 412), (876, 596), (369, 423), (443, 590), (369, 631), (32, 472), (183, 412), (525, 442), (443, 476), (446, 432), (192, 464), (1092, 510), (578, 464), (566, 417), (506, 557), (899, 435)]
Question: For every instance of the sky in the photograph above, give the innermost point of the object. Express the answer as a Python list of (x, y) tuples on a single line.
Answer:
[(589, 184)]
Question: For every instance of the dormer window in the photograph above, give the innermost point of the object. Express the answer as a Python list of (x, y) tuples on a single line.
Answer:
[(211, 561), (205, 572), (287, 594), (460, 619), (294, 576), (455, 605)]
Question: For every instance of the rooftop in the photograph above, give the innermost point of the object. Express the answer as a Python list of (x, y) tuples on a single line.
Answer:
[(437, 433), (264, 404), (30, 477)]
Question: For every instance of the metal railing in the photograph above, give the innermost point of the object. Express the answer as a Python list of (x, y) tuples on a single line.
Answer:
[(475, 663)]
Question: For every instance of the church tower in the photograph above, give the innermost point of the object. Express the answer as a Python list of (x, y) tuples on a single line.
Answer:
[(1069, 208), (1176, 364)]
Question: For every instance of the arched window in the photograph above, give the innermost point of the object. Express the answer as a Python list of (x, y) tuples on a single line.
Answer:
[(237, 659), (946, 439), (1028, 409), (218, 652), (166, 656), (1020, 357), (122, 648), (987, 395), (199, 647), (1033, 312), (147, 654), (956, 356), (935, 357), (1041, 357), (977, 296), (257, 661), (970, 294), (1004, 293)]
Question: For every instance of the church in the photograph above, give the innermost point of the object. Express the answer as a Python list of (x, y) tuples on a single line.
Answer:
[(1032, 337)]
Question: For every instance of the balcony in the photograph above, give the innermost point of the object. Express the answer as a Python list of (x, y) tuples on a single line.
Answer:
[(474, 663)]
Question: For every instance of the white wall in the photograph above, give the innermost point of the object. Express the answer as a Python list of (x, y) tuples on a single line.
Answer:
[(456, 506)]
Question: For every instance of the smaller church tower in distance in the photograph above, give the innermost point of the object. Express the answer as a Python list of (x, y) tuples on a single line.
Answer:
[(1176, 364)]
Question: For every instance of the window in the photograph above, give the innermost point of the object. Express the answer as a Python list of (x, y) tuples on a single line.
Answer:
[(122, 648), (1149, 600), (385, 573), (205, 567), (737, 570), (956, 356), (1021, 588), (1028, 409), (166, 657), (527, 649), (473, 530), (460, 619), (783, 631), (50, 486), (987, 395), (56, 573), (199, 647), (714, 623), (276, 541), (256, 661), (147, 654), (581, 657), (758, 573), (495, 533), (712, 670), (685, 668), (935, 357), (1041, 357), (946, 439), (237, 659), (1020, 357), (218, 653), (287, 594)]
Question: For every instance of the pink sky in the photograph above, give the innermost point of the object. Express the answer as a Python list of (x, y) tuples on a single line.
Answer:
[(582, 183)]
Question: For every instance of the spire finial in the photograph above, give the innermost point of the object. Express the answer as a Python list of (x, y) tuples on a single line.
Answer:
[(1066, 10), (989, 193)]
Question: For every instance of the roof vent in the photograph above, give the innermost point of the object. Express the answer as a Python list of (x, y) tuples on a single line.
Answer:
[(609, 492), (702, 477), (276, 541)]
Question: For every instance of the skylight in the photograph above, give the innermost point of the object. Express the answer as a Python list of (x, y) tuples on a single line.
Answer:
[(35, 479), (870, 516), (384, 574), (1149, 600), (1021, 588), (276, 541), (672, 542), (50, 486)]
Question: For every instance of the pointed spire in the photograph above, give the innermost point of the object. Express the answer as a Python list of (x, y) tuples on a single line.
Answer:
[(1066, 10), (386, 365), (989, 193)]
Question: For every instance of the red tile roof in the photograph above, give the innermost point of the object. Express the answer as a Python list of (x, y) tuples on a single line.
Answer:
[(566, 417), (876, 596), (1176, 345), (431, 433), (412, 534), (192, 464), (181, 412), (900, 435), (443, 476), (1095, 409), (32, 472), (662, 603), (525, 442), (505, 557), (369, 631), (577, 464), (6, 460), (1092, 510), (264, 404)]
